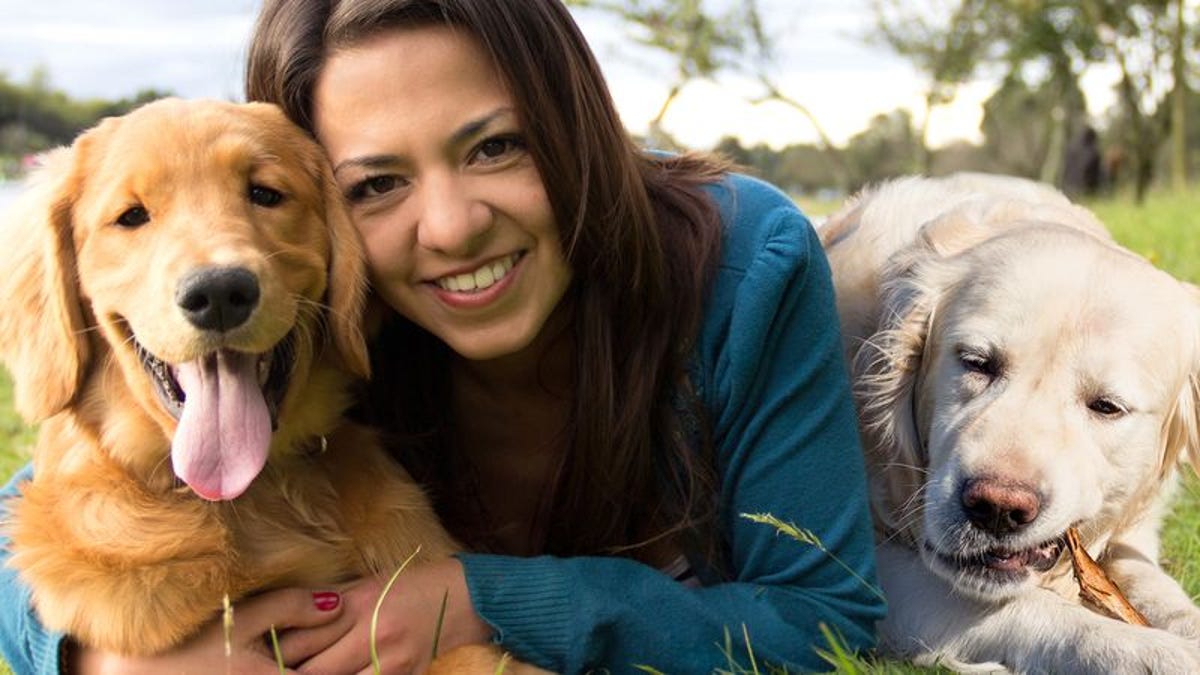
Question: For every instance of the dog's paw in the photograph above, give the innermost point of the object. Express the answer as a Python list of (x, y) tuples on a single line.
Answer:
[(1132, 649), (1184, 624)]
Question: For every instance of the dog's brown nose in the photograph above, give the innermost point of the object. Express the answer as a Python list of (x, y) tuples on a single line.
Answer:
[(217, 298), (1000, 507)]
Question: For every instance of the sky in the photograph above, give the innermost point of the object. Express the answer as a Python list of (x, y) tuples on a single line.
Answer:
[(196, 48)]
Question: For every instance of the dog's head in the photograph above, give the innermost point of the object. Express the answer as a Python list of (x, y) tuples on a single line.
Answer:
[(1028, 376), (203, 246)]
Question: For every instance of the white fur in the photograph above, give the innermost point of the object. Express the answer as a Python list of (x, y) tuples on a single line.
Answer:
[(932, 275)]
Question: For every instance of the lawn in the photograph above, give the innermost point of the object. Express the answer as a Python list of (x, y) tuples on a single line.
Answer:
[(1164, 230)]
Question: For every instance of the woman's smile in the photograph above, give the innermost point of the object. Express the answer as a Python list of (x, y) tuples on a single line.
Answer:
[(481, 278), (479, 287)]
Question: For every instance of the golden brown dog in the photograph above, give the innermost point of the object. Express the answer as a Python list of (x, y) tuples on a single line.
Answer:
[(182, 294), (1017, 374)]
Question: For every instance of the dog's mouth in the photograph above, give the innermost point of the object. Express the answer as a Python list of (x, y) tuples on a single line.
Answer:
[(227, 405), (1002, 565), (273, 370)]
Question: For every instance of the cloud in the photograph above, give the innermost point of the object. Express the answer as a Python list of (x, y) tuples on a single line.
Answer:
[(115, 49)]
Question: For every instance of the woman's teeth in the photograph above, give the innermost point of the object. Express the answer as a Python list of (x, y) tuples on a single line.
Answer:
[(480, 279)]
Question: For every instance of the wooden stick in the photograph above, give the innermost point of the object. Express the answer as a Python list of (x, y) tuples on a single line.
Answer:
[(1096, 589)]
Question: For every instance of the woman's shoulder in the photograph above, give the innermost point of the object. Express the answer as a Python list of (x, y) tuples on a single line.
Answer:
[(759, 219)]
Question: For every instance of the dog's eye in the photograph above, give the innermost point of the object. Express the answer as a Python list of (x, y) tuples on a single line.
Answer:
[(265, 196), (1106, 407), (975, 362), (134, 217)]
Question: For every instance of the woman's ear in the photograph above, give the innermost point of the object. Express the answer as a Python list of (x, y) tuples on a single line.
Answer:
[(42, 332)]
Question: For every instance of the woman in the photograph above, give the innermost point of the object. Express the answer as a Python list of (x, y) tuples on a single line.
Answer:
[(596, 359)]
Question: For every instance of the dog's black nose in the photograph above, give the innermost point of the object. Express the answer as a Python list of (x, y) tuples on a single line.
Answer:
[(218, 298), (1000, 507)]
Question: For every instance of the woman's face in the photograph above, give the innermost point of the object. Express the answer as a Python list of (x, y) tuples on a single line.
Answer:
[(426, 145)]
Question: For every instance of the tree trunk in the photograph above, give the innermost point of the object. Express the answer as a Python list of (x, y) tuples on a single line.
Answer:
[(1179, 158), (841, 171)]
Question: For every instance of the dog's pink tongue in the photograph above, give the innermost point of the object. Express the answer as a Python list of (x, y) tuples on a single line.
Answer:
[(224, 432)]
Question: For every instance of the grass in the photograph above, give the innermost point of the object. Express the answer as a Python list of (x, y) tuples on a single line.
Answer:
[(1164, 230)]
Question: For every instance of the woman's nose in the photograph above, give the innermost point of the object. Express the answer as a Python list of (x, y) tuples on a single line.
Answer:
[(452, 220)]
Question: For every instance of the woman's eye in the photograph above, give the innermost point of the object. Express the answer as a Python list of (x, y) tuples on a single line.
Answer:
[(265, 196), (372, 187), (134, 217), (493, 149)]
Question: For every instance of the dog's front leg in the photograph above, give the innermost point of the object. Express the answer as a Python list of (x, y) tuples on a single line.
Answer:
[(1132, 563), (116, 567), (1037, 632)]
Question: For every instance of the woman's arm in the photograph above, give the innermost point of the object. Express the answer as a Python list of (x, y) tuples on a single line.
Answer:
[(26, 645)]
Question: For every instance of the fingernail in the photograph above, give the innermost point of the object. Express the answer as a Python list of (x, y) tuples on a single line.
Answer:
[(326, 601)]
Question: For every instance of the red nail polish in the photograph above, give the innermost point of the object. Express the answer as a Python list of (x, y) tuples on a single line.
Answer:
[(326, 601)]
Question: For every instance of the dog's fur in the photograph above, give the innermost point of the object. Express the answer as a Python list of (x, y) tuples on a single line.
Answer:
[(1017, 373), (120, 553)]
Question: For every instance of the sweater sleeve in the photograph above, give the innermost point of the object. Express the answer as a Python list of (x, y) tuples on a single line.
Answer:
[(771, 375), (26, 645)]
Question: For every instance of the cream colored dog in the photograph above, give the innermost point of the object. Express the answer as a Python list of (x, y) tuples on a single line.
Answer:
[(1017, 374)]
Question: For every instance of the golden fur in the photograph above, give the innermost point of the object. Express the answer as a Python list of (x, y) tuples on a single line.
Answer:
[(1007, 353), (117, 551)]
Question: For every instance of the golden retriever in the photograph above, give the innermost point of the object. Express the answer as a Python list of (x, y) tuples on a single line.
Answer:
[(1017, 373), (181, 302)]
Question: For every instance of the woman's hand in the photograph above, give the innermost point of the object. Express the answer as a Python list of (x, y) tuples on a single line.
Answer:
[(407, 627), (205, 652)]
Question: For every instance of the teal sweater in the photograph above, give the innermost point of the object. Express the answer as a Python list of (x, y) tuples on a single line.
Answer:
[(769, 370)]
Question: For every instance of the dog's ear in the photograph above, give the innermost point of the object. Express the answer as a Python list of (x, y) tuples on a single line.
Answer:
[(42, 338), (889, 372), (346, 294), (1182, 432)]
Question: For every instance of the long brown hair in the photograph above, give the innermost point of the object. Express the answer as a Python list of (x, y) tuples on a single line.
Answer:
[(639, 233)]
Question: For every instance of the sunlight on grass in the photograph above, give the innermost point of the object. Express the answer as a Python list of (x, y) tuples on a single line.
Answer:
[(1165, 230)]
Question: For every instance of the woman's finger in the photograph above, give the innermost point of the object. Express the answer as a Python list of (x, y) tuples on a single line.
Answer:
[(283, 609), (300, 644), (346, 656)]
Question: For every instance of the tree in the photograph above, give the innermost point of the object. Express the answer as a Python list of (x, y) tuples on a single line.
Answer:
[(1138, 36), (702, 43), (35, 116), (947, 51), (1179, 97), (887, 148), (1150, 40), (1018, 125)]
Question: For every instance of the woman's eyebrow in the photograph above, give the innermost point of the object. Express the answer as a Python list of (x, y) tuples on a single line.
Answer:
[(472, 128), (460, 135), (367, 162)]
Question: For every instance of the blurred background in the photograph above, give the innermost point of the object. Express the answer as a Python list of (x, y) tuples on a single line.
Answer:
[(817, 96)]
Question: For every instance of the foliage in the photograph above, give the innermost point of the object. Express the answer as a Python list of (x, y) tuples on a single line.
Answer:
[(35, 116), (888, 147), (701, 42), (1046, 47), (947, 53)]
